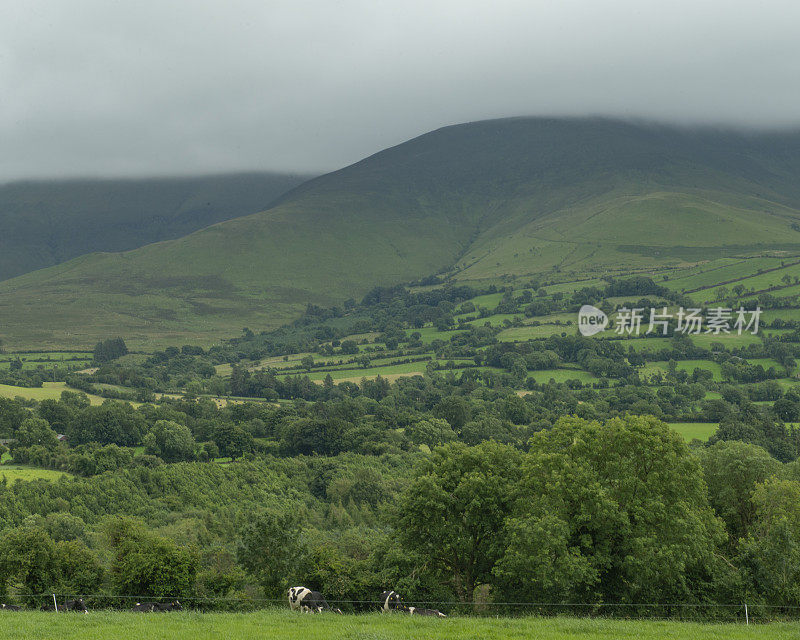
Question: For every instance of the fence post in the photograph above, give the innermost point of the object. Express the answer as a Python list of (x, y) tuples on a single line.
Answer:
[(746, 615), (55, 602)]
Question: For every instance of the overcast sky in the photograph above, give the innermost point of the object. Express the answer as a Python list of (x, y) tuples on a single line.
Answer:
[(174, 87)]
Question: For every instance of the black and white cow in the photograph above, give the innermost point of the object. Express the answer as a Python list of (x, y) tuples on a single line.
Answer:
[(76, 605), (144, 607), (414, 611), (391, 601), (69, 605), (10, 607), (308, 601), (169, 606)]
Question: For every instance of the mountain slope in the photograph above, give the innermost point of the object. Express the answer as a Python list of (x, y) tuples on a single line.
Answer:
[(48, 222), (483, 199)]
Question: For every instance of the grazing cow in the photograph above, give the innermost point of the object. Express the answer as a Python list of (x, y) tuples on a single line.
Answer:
[(144, 607), (391, 601), (296, 595), (169, 606), (10, 607), (76, 605), (414, 611), (308, 601), (69, 605)]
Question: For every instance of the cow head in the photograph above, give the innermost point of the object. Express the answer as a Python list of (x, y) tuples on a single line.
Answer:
[(391, 601)]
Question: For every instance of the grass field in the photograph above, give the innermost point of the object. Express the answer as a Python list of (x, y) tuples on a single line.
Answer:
[(691, 430), (12, 472), (729, 340), (33, 360), (48, 391), (409, 368), (642, 345), (518, 334), (495, 321), (285, 624), (719, 271)]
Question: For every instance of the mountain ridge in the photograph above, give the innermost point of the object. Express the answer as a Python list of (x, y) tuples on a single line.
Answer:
[(47, 222), (477, 201)]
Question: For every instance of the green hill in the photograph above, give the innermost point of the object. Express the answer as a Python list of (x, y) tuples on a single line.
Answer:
[(480, 200), (48, 222)]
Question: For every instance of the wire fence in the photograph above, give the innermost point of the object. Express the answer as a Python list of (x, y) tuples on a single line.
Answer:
[(745, 613)]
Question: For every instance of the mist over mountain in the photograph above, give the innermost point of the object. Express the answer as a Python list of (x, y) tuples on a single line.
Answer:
[(47, 222), (474, 201)]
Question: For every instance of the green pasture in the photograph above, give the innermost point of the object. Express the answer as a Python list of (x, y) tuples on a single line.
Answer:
[(528, 332), (729, 340), (48, 391), (575, 285), (768, 315), (695, 430), (33, 360), (371, 372), (489, 301), (756, 282), (495, 320), (13, 472), (725, 270), (645, 345), (680, 273), (104, 625)]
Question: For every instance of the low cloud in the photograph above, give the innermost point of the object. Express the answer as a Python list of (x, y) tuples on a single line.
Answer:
[(146, 88)]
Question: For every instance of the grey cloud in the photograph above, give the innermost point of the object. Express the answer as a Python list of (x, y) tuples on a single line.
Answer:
[(141, 88)]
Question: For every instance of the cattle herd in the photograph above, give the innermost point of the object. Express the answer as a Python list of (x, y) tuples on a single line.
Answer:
[(80, 605), (308, 601), (300, 599)]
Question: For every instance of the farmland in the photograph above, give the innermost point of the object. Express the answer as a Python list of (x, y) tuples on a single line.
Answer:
[(359, 426)]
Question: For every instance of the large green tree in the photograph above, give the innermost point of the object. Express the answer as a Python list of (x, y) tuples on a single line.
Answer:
[(270, 548), (33, 563), (770, 554), (732, 470), (453, 512), (170, 441), (146, 564), (36, 431), (613, 512)]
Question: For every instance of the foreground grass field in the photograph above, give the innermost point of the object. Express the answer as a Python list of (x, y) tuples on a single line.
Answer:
[(285, 624)]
